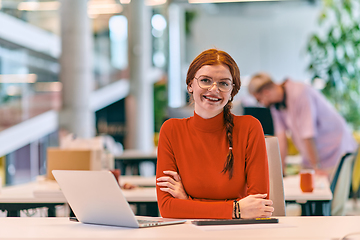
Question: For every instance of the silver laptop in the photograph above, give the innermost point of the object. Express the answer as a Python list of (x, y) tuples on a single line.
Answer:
[(96, 198)]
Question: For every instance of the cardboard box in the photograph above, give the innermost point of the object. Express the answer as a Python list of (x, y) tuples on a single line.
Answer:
[(72, 159)]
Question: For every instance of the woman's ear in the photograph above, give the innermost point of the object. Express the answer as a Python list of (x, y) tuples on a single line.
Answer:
[(190, 90)]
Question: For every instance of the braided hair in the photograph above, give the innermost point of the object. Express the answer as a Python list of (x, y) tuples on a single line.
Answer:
[(218, 57)]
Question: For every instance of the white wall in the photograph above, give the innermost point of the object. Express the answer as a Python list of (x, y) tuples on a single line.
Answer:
[(265, 36)]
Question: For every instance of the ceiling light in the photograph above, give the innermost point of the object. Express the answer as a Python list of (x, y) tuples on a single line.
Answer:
[(18, 78), (154, 2), (125, 1), (227, 1), (105, 10), (38, 6), (96, 7)]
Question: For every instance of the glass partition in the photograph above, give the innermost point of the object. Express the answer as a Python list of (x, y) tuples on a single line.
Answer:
[(29, 84)]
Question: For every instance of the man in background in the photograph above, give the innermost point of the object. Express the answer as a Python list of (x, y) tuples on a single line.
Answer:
[(317, 130)]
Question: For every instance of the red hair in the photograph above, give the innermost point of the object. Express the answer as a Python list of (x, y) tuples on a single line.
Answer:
[(215, 57), (218, 57)]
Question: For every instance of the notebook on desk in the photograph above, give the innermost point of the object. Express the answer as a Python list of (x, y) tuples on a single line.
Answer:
[(206, 222), (96, 197)]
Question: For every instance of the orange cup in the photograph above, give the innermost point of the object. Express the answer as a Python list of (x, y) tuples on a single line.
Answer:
[(307, 180)]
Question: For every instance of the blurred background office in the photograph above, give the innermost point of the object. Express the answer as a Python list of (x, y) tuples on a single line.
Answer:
[(117, 67)]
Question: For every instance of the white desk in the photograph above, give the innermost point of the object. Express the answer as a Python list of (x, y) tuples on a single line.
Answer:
[(131, 154), (293, 192), (316, 203), (19, 197), (48, 194), (138, 180), (132, 158), (299, 228), (292, 189)]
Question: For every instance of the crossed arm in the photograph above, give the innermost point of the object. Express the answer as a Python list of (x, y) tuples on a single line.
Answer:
[(252, 206)]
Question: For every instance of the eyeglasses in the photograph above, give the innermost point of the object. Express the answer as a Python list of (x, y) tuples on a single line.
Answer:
[(205, 82)]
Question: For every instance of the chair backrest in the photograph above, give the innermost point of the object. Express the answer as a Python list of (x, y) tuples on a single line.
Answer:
[(356, 173), (341, 183), (275, 176)]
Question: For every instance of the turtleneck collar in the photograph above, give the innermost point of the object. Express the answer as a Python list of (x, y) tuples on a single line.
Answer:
[(209, 125)]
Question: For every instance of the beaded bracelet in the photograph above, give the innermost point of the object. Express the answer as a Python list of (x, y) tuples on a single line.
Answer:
[(235, 206), (237, 210)]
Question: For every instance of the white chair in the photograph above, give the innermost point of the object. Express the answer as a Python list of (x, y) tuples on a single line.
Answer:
[(341, 183), (275, 176)]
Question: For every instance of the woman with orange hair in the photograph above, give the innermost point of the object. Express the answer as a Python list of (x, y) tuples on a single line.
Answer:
[(213, 164)]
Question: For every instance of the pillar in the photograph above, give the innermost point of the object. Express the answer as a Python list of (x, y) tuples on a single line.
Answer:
[(140, 109), (76, 72)]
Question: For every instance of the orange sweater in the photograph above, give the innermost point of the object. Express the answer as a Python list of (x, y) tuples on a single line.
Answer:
[(196, 148)]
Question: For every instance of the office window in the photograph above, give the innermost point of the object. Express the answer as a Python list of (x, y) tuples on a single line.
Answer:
[(158, 31), (118, 26)]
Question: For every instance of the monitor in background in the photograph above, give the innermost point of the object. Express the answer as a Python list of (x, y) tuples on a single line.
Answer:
[(264, 116)]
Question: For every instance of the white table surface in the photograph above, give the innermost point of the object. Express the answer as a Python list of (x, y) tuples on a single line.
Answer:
[(293, 192), (24, 193), (292, 189), (49, 191), (137, 155), (329, 228), (138, 180)]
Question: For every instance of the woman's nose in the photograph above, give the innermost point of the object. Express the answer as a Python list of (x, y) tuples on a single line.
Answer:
[(212, 87)]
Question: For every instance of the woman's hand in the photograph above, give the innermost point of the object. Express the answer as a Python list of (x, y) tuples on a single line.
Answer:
[(256, 206), (172, 184)]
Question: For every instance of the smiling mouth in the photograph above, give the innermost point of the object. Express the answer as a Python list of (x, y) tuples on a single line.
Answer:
[(213, 99)]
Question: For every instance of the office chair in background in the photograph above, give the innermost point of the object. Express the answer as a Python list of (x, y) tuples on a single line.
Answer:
[(275, 176), (355, 182), (340, 184)]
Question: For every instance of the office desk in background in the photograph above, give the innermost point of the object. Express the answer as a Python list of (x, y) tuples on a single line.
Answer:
[(131, 159), (316, 203), (312, 204), (47, 193), (13, 199), (299, 228)]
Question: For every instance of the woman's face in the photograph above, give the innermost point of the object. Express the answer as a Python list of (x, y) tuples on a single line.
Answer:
[(210, 102)]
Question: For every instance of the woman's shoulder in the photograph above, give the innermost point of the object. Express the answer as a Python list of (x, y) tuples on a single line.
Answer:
[(246, 120), (247, 123), (174, 122)]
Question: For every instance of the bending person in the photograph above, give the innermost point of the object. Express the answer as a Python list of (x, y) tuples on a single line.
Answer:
[(213, 164), (317, 130)]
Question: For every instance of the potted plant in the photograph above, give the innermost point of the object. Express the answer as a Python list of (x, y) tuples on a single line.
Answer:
[(335, 56)]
